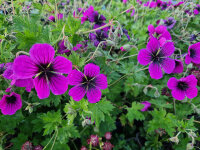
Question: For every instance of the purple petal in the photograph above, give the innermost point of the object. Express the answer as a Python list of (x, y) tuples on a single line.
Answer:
[(75, 77), (178, 66), (77, 92), (191, 80), (161, 29), (8, 73), (166, 35), (153, 45), (155, 71), (146, 105), (144, 57), (191, 92), (91, 70), (168, 65), (178, 94), (101, 81), (62, 65), (41, 87), (93, 95), (168, 49), (188, 59), (28, 83), (24, 67), (151, 28), (172, 83), (42, 53), (58, 84)]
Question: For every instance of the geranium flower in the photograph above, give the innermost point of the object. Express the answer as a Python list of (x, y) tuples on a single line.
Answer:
[(170, 22), (86, 14), (158, 58), (197, 10), (178, 4), (183, 87), (178, 66), (88, 83), (160, 32), (146, 105), (193, 54), (9, 104), (150, 4), (46, 69)]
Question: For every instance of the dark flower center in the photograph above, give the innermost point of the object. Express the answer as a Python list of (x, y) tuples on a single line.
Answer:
[(192, 53), (100, 36), (169, 22), (88, 82), (182, 86), (11, 100), (156, 57), (198, 8), (98, 20), (164, 5), (45, 70), (2, 69)]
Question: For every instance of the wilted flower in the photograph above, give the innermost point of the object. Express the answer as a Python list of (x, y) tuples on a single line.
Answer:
[(107, 146), (46, 69), (158, 58), (178, 66), (88, 83), (83, 148), (98, 37), (193, 54), (170, 22), (183, 87), (9, 104), (108, 135), (38, 147), (27, 146), (174, 139), (94, 140), (146, 105)]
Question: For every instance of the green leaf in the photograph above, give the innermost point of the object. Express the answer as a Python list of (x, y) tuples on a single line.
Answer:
[(135, 112), (99, 110)]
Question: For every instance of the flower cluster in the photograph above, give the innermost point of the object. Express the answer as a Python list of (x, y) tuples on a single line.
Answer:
[(157, 55), (29, 146), (45, 73)]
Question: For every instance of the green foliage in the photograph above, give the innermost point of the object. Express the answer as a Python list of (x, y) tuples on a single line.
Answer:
[(162, 119), (99, 111), (135, 112)]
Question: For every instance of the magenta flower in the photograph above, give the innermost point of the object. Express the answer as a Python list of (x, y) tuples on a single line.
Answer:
[(46, 69), (193, 54), (9, 104), (197, 10), (88, 83), (160, 32), (125, 1), (178, 4), (27, 146), (60, 16), (150, 4), (158, 58), (183, 87), (51, 18), (38, 147), (178, 66), (86, 14), (122, 49), (147, 105), (108, 135)]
